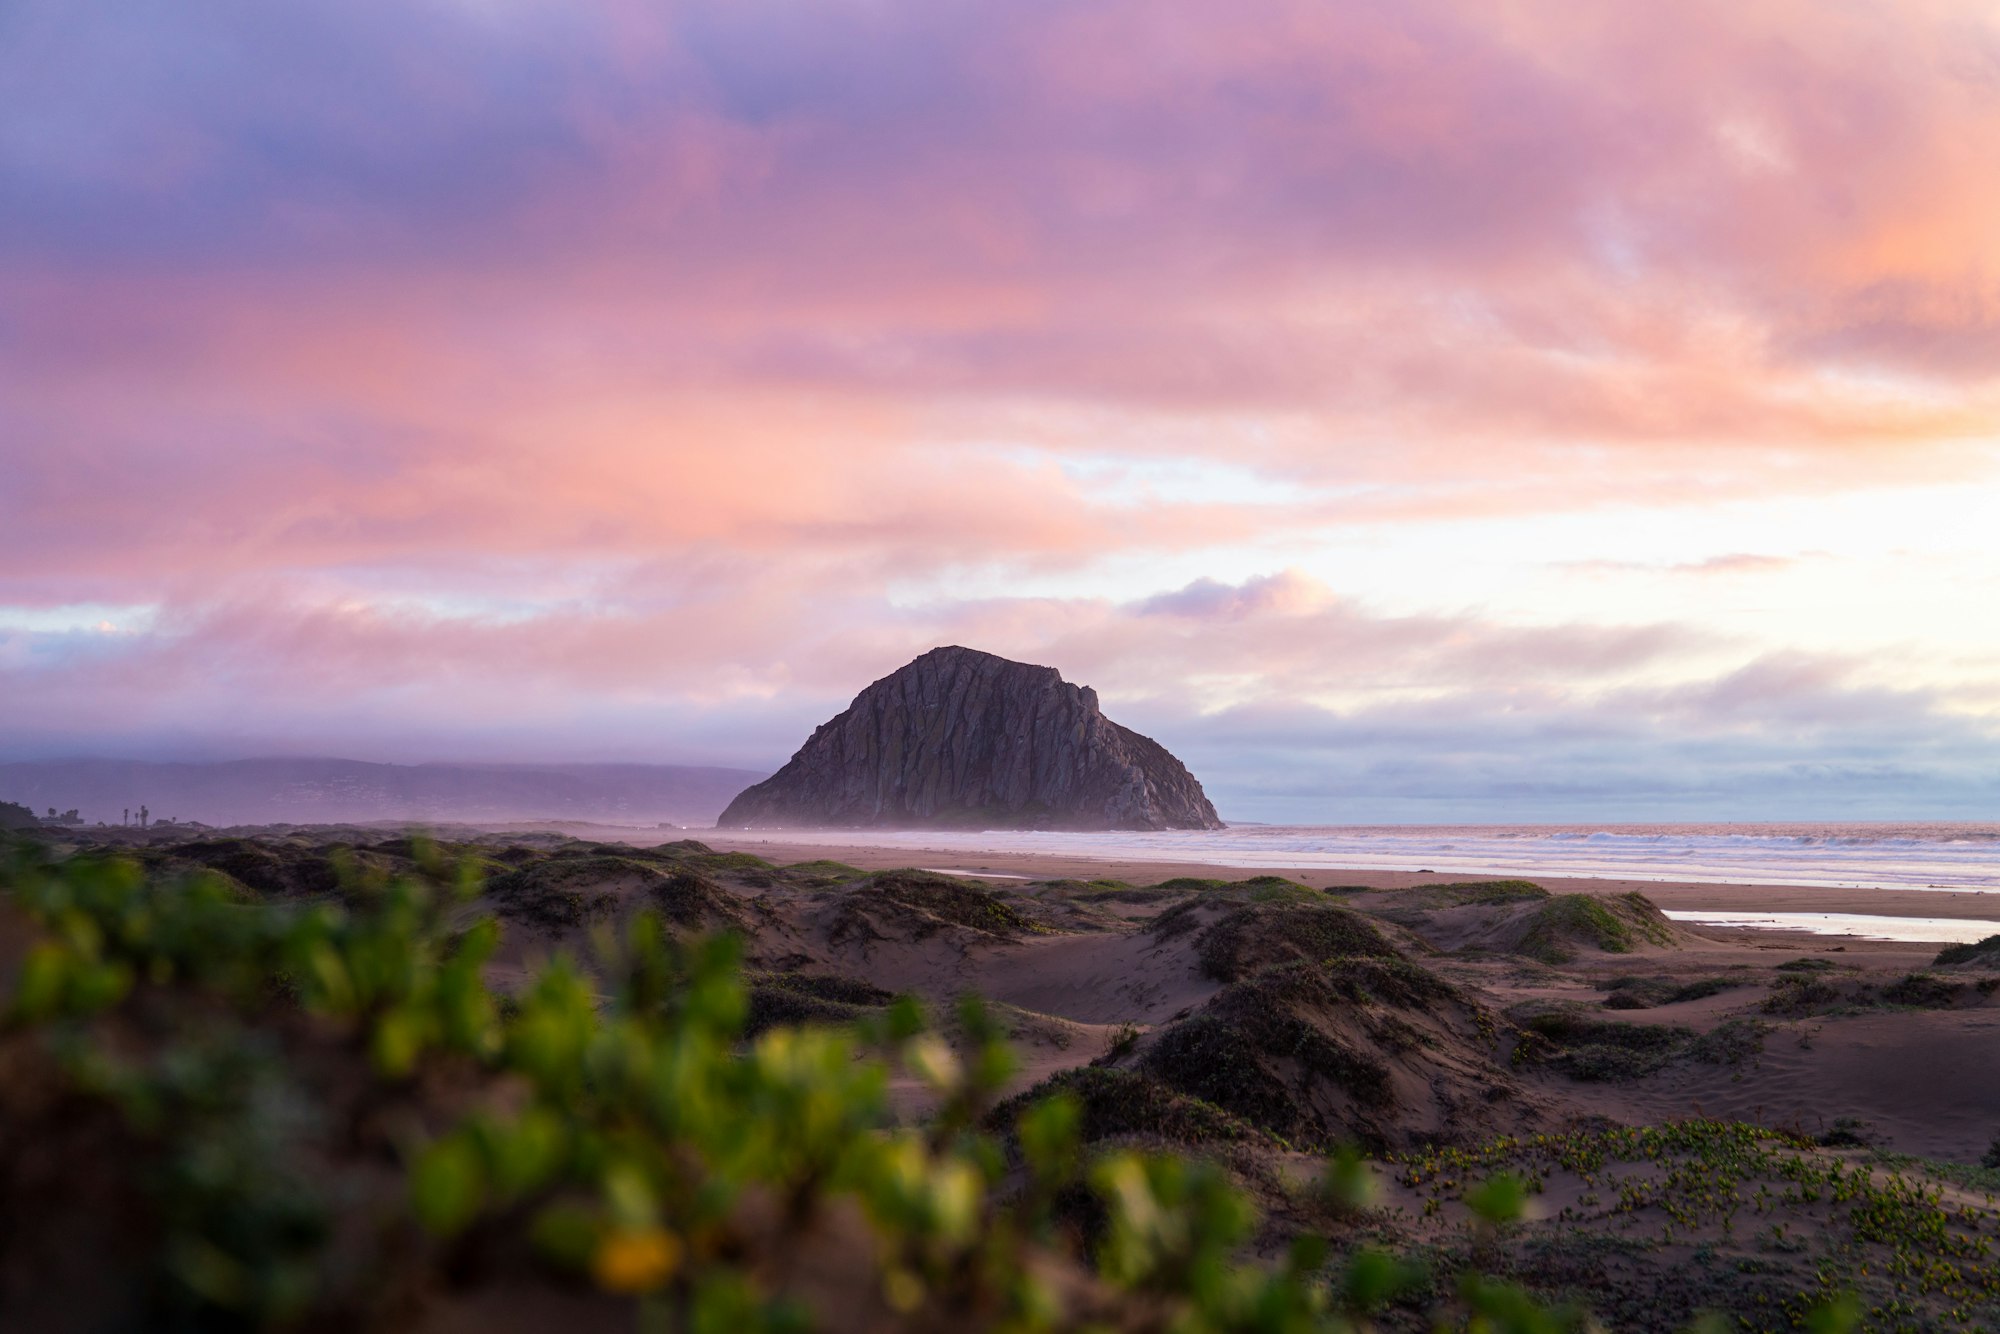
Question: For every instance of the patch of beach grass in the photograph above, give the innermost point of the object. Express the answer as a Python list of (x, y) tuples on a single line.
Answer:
[(1615, 924)]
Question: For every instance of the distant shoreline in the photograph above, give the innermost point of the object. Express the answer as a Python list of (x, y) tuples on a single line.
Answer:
[(1686, 895), (1672, 895), (1958, 857)]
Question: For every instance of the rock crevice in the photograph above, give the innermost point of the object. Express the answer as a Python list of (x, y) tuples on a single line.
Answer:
[(963, 739)]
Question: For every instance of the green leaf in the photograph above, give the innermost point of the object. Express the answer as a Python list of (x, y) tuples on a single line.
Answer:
[(448, 1186), (1049, 1132), (38, 992), (398, 1041), (567, 1234), (1347, 1184), (1838, 1316), (1500, 1199), (1372, 1279)]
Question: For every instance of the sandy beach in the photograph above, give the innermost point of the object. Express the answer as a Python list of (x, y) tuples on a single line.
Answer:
[(1881, 1068), (1673, 896)]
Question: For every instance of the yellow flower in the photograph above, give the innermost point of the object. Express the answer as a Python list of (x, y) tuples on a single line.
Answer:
[(636, 1259), (903, 1291)]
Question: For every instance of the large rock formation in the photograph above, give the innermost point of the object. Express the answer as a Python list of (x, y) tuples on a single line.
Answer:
[(963, 739)]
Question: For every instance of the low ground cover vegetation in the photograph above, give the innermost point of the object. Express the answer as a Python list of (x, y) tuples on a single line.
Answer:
[(294, 1095), (1768, 1217)]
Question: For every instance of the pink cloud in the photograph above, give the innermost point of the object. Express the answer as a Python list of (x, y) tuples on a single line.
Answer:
[(757, 632), (421, 357)]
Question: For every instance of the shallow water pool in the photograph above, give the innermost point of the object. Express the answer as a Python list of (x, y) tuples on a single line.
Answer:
[(1943, 930)]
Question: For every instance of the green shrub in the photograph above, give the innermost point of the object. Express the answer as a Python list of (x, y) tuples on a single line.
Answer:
[(1801, 993), (1259, 935), (1103, 891), (1472, 893), (1730, 1042), (692, 900), (748, 865), (1922, 991), (820, 874), (1701, 989), (1233, 1051), (1985, 951), (1613, 924), (1188, 884), (1256, 889), (570, 889), (1114, 1103), (1644, 993), (1276, 889), (1123, 1042), (1602, 1051), (948, 899), (776, 1000), (1176, 921), (1848, 1132)]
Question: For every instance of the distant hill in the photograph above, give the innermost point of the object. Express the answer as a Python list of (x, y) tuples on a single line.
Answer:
[(314, 791)]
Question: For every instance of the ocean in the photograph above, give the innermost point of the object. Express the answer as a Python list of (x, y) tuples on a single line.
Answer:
[(1961, 856)]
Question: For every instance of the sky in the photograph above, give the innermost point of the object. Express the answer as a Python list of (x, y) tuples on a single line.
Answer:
[(1422, 411)]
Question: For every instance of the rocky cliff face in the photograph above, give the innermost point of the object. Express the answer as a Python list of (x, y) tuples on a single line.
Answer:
[(963, 739)]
